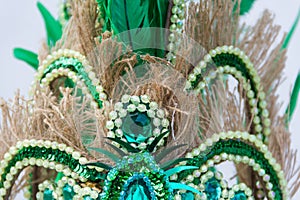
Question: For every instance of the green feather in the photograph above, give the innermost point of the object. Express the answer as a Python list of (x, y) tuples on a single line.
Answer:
[(119, 151), (293, 100), (245, 6), (165, 152), (178, 169), (27, 56), (137, 16), (126, 145), (155, 142), (170, 163), (100, 164), (53, 27), (110, 155), (181, 186), (291, 32)]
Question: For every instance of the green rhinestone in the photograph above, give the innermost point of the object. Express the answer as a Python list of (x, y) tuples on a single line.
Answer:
[(48, 194), (137, 192), (239, 196), (213, 189), (68, 192), (137, 127)]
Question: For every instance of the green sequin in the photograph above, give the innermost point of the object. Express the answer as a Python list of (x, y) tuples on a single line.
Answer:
[(53, 155)]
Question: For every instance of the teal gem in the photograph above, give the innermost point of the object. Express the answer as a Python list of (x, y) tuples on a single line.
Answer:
[(213, 189), (136, 192), (87, 198), (68, 192), (137, 127), (187, 196), (48, 194), (239, 196)]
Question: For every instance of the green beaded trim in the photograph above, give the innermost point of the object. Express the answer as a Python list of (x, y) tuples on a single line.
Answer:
[(202, 179), (241, 187), (156, 182), (80, 192), (227, 193), (201, 185), (139, 166), (256, 156), (64, 12), (193, 178), (43, 187), (178, 13), (206, 178), (74, 66), (75, 72), (142, 104), (230, 60), (50, 155)]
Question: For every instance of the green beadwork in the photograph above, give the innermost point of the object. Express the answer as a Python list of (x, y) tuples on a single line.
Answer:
[(52, 155), (236, 147), (139, 122), (135, 176), (76, 66), (230, 59), (233, 60), (224, 59)]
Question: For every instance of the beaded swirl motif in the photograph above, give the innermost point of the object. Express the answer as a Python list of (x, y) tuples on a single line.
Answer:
[(137, 172)]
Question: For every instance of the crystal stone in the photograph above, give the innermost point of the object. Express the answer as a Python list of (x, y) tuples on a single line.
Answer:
[(137, 127), (213, 189)]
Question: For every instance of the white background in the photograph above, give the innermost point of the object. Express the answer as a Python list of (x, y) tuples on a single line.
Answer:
[(21, 26)]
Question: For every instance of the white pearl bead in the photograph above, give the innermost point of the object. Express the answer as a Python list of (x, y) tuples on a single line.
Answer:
[(7, 184), (69, 150), (76, 155)]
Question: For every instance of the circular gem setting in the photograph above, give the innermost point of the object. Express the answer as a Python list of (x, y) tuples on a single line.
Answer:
[(137, 121)]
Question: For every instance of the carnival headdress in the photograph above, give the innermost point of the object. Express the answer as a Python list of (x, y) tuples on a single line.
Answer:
[(144, 99)]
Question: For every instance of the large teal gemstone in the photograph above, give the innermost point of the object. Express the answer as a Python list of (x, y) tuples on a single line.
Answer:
[(213, 189), (68, 192), (137, 127), (48, 194), (137, 192), (239, 196)]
